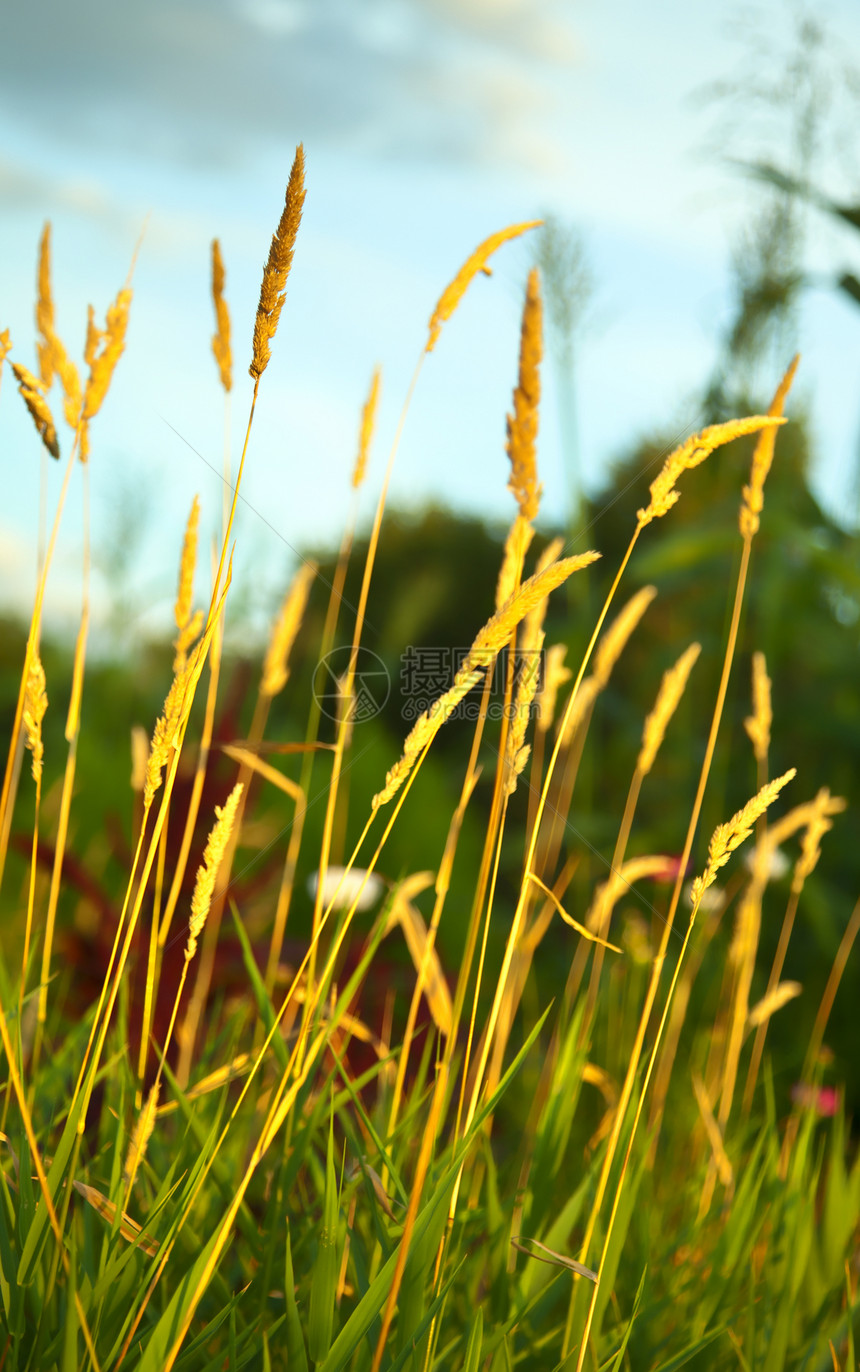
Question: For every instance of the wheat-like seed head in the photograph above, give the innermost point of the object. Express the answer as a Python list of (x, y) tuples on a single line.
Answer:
[(517, 751), (818, 825), (753, 501), (368, 423), (45, 309), (273, 290), (164, 734), (517, 545), (523, 422), (221, 337), (30, 389), (758, 723), (727, 837), (488, 643), (616, 637), (672, 687), (35, 705), (555, 676), (139, 756), (690, 454), (275, 668), (182, 608), (204, 885), (52, 354), (142, 1133), (618, 884), (453, 293), (5, 345), (609, 649), (103, 357)]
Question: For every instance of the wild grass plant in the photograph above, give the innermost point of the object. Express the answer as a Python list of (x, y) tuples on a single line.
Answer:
[(305, 1173)]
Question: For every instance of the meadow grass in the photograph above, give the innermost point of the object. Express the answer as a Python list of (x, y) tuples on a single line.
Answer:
[(306, 1174)]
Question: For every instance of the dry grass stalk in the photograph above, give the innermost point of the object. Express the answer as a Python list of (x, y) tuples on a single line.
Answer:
[(141, 1134), (517, 545), (555, 676), (727, 837), (189, 629), (758, 724), (273, 291), (35, 705), (690, 454), (489, 642), (275, 668), (221, 337), (453, 294), (523, 423), (31, 391), (207, 872), (672, 687), (365, 433), (582, 929), (753, 501), (773, 1001), (426, 962), (45, 310)]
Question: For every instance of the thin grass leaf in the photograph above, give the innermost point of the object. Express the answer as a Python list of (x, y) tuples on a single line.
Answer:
[(297, 1357), (553, 1258), (628, 1330), (324, 1279), (473, 1348)]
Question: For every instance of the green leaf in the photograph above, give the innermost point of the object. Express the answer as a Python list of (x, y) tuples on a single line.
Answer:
[(297, 1358), (324, 1281)]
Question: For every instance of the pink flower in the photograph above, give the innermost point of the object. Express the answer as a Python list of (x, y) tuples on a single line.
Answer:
[(824, 1100)]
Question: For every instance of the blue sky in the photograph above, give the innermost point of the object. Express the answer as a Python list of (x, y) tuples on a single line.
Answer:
[(427, 124)]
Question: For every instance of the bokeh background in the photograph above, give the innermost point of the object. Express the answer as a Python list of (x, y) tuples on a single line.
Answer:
[(427, 124)]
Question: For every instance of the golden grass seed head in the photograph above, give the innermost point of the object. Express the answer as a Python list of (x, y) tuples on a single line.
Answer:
[(188, 563), (758, 724), (727, 837), (555, 676), (616, 637), (221, 337), (45, 309), (753, 494), (522, 424), (142, 1133), (672, 688), (284, 630), (517, 544), (454, 292), (35, 705), (5, 345), (164, 734), (103, 349), (368, 424), (517, 753), (690, 454), (488, 643), (30, 389), (207, 872), (273, 289)]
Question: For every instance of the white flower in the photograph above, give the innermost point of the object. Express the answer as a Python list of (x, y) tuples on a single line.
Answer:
[(343, 888)]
